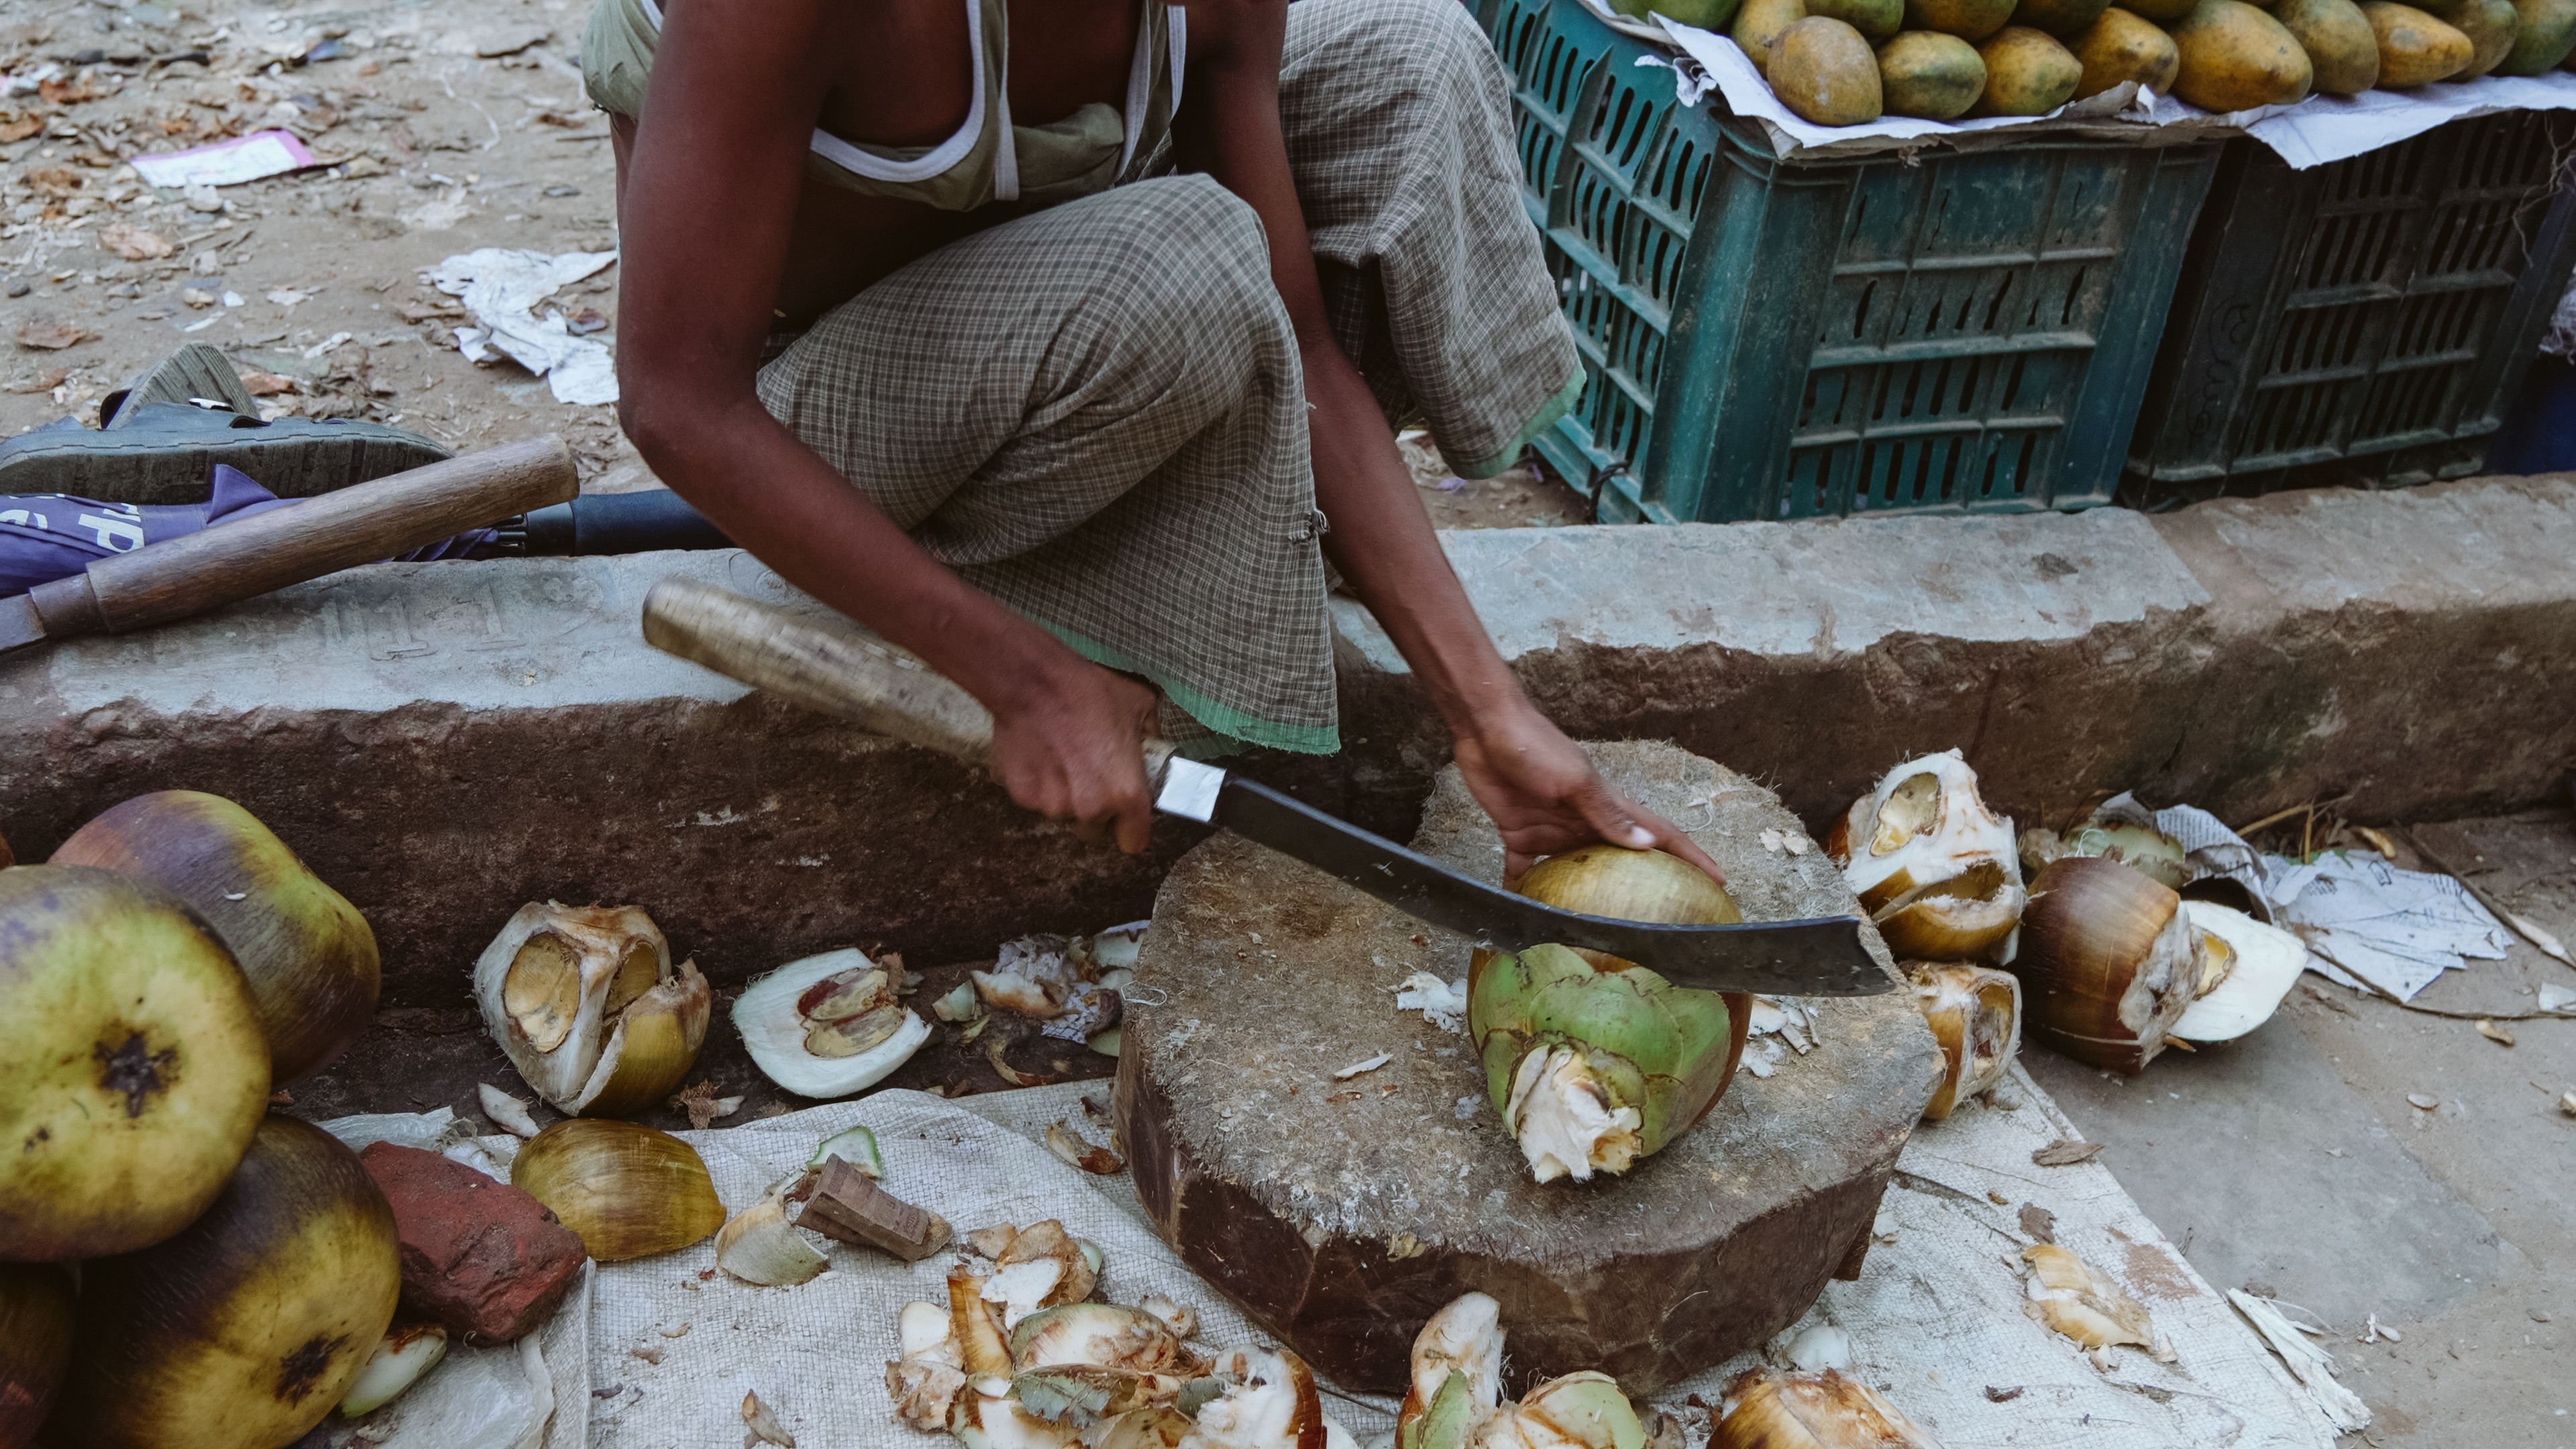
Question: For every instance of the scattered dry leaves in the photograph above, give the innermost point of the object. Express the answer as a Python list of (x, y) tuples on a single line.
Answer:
[(2039, 1222), (45, 381), (1066, 1144), (269, 384), (47, 335), (68, 92), (703, 1105), (133, 243), (19, 125), (2063, 1153)]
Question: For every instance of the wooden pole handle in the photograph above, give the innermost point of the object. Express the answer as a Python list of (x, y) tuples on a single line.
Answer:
[(358, 524), (828, 665)]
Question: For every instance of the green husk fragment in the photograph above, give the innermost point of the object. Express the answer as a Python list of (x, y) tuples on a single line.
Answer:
[(1656, 1047), (1449, 1420), (856, 1146)]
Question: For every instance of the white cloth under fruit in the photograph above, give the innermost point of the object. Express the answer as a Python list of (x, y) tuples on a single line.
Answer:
[(1935, 1320)]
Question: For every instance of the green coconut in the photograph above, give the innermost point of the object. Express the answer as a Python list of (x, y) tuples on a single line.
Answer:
[(135, 1072), (1645, 1058), (310, 956), (244, 1330)]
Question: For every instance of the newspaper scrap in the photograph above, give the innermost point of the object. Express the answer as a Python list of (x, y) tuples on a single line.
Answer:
[(226, 163), (2209, 847), (2369, 925), (501, 289)]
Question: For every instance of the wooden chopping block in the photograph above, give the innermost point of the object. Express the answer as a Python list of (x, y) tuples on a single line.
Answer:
[(1342, 1214)]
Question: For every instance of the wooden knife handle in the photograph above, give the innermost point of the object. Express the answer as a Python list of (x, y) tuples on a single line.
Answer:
[(358, 524), (829, 665)]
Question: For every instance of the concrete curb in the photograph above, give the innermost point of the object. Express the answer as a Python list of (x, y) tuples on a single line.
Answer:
[(445, 741)]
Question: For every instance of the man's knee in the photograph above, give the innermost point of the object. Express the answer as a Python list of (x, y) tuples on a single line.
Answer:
[(1190, 254), (1406, 35)]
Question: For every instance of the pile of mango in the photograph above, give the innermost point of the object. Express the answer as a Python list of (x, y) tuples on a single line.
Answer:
[(1849, 62)]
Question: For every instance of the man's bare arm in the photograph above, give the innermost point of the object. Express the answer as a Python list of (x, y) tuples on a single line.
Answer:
[(708, 199), (1538, 786)]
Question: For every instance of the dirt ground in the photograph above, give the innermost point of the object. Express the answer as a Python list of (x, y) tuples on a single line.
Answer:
[(447, 128)]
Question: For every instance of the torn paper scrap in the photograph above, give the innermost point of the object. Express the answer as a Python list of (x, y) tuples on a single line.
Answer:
[(2209, 847), (501, 290), (2370, 925), (226, 163)]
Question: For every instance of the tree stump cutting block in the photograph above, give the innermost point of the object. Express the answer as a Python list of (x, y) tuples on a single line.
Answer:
[(1342, 1213)]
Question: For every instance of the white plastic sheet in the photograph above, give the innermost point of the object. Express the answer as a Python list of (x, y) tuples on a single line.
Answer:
[(1936, 1317), (501, 289)]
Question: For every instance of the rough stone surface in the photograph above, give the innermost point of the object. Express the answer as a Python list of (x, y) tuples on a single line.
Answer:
[(1342, 1214), (479, 1257), (2408, 649), (447, 741)]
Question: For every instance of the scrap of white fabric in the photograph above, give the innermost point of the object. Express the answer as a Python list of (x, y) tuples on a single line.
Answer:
[(501, 289), (2370, 925), (225, 163)]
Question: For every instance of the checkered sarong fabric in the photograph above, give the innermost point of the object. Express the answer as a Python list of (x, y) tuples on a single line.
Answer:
[(1095, 412)]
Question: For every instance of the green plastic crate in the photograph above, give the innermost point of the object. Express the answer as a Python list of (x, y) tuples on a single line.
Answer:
[(1965, 332), (2364, 322)]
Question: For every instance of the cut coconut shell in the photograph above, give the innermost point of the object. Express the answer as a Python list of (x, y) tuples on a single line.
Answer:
[(827, 1026), (585, 1003), (627, 1190), (2246, 969), (2076, 1299), (1767, 1409), (1969, 917), (1975, 1013), (251, 1324), (309, 955), (1592, 1061), (1924, 823), (1711, 1246), (135, 1066), (2108, 963)]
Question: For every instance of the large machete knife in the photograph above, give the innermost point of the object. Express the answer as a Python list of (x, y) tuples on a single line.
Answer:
[(832, 666)]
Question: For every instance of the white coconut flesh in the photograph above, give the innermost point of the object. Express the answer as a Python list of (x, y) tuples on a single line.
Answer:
[(2247, 968), (1259, 1411), (1923, 824), (2162, 988), (828, 1025), (1465, 1337), (555, 986), (1562, 1116)]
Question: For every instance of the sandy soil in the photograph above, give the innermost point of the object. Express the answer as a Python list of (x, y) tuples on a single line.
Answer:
[(447, 128)]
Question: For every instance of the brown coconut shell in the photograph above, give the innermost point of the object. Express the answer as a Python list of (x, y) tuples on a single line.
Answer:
[(2108, 963), (1975, 1014)]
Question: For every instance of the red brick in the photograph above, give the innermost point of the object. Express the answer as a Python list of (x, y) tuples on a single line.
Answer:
[(478, 1256)]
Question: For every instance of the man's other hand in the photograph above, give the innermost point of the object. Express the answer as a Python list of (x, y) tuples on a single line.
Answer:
[(1545, 797)]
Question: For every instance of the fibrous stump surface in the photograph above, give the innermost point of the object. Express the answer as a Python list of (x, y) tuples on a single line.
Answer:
[(1342, 1214)]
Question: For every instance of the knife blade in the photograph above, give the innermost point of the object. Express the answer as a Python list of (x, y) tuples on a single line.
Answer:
[(834, 667), (1818, 957)]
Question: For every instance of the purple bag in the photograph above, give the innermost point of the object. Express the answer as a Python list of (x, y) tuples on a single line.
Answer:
[(48, 536)]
